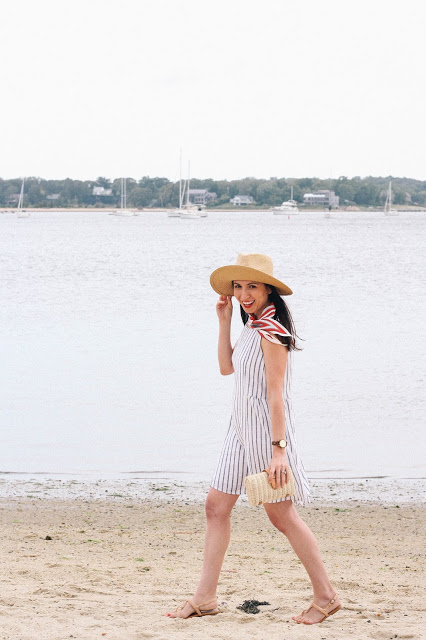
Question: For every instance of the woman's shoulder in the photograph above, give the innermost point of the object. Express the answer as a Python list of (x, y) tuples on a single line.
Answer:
[(274, 349)]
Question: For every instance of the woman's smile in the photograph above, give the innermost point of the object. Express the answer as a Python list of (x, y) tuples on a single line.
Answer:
[(252, 296)]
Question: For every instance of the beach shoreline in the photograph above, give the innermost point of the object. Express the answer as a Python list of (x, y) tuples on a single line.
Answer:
[(88, 568), (140, 486)]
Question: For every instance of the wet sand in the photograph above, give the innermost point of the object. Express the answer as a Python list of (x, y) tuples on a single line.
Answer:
[(114, 565)]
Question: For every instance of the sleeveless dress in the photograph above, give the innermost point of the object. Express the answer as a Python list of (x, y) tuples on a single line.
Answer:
[(247, 448)]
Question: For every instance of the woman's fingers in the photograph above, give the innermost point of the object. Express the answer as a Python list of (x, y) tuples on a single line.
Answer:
[(225, 300), (224, 307), (271, 477), (277, 476), (221, 303), (284, 475)]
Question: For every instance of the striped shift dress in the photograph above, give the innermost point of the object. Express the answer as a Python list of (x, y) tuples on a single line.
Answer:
[(247, 448)]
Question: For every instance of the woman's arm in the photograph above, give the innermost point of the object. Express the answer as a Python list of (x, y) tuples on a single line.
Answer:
[(224, 349), (276, 356)]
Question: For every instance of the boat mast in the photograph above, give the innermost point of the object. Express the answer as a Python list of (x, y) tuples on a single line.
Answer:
[(123, 193), (390, 195), (180, 179), (21, 195), (291, 197), (187, 189)]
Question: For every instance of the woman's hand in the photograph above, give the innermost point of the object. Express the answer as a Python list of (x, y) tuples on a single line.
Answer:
[(278, 469), (224, 308)]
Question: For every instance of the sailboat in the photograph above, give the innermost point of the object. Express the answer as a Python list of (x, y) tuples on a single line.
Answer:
[(20, 212), (175, 213), (189, 210), (123, 211), (186, 210), (388, 211), (288, 207)]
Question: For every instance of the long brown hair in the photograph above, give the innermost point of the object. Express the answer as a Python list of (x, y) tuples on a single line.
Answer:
[(283, 315)]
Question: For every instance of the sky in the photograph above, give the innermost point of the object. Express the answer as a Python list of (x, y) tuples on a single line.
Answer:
[(245, 88)]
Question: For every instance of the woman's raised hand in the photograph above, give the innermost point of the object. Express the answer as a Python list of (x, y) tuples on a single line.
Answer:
[(224, 308)]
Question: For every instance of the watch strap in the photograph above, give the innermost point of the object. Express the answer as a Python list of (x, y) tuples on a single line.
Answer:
[(277, 443)]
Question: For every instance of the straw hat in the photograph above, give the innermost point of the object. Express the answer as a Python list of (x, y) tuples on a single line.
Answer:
[(249, 266)]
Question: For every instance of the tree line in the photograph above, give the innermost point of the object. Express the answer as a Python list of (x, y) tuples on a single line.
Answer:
[(161, 192)]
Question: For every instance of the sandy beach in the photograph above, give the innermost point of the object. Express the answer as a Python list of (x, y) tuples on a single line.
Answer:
[(89, 568)]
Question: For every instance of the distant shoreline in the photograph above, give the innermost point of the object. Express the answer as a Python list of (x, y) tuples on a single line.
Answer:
[(405, 209)]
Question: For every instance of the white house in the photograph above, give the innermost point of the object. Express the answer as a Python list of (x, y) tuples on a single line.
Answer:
[(237, 201), (101, 191), (323, 197), (201, 196)]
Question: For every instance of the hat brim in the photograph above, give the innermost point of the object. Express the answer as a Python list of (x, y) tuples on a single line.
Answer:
[(221, 279)]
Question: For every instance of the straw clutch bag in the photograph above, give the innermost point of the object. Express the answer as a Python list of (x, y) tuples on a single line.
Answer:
[(260, 491)]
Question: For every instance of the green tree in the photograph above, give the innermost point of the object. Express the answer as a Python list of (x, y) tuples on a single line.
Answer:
[(103, 182), (345, 189), (268, 194), (398, 196), (140, 196), (34, 194), (168, 195), (366, 194)]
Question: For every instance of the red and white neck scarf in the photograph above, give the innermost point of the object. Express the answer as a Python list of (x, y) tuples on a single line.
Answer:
[(267, 326)]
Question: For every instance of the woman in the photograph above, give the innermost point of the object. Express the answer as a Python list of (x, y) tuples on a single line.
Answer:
[(261, 431)]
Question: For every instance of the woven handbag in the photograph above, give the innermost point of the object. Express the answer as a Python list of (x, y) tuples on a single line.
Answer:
[(259, 490)]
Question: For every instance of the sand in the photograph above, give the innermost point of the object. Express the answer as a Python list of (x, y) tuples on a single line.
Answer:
[(114, 565)]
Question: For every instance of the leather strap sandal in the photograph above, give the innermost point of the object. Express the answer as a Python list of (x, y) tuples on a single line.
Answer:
[(324, 611), (198, 611)]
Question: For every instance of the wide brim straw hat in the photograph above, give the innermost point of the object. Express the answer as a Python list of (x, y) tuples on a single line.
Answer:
[(249, 266)]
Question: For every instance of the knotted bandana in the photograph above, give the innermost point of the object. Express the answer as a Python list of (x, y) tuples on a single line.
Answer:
[(267, 326)]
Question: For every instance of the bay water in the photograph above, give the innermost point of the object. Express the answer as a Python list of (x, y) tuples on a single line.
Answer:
[(109, 334)]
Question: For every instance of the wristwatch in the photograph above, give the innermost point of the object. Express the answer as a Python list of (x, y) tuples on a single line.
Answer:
[(280, 443)]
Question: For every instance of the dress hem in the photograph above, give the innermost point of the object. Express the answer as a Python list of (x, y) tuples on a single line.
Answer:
[(297, 501)]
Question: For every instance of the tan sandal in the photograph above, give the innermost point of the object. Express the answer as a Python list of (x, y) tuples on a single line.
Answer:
[(325, 613), (198, 611)]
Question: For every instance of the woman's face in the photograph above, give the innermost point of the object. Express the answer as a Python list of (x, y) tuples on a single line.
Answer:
[(252, 296)]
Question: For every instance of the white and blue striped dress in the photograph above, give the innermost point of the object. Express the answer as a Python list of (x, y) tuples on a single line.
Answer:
[(247, 448)]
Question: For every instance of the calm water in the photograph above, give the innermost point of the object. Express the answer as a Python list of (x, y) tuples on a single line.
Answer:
[(108, 340)]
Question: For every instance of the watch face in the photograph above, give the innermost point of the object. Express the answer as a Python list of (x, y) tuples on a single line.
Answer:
[(282, 443)]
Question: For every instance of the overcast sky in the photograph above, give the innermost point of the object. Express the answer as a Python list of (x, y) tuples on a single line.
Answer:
[(244, 87)]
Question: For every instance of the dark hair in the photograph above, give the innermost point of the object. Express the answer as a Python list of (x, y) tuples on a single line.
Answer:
[(283, 316)]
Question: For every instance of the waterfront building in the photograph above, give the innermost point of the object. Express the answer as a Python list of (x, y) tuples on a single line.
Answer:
[(322, 197), (237, 201), (201, 196), (13, 199), (53, 196), (101, 191)]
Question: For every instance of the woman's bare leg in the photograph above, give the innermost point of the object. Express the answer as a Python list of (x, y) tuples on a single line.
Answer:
[(285, 518), (218, 532)]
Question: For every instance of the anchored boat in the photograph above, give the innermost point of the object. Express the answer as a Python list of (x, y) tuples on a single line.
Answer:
[(388, 211), (288, 207)]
